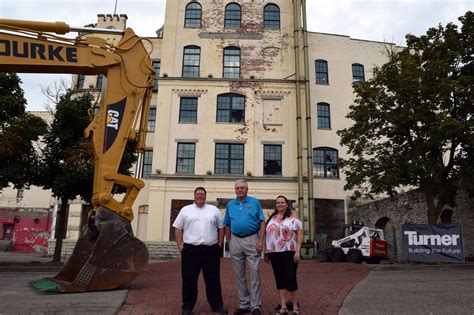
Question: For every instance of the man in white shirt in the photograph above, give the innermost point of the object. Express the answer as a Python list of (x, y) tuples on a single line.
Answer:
[(199, 232)]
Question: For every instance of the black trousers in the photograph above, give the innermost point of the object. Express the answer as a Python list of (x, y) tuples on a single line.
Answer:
[(284, 270), (195, 258)]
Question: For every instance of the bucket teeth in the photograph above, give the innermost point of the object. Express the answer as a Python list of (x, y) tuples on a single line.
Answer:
[(45, 285)]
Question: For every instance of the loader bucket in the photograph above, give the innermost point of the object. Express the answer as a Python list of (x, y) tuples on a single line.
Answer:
[(102, 260)]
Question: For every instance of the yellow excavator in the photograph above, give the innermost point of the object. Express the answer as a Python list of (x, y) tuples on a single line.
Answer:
[(107, 255)]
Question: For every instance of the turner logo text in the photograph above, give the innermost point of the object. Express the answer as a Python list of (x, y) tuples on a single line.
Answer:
[(431, 240)]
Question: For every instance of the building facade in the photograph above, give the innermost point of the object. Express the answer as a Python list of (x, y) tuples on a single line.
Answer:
[(242, 91), (231, 104)]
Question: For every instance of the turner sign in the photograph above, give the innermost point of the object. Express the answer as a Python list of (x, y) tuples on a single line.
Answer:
[(432, 243)]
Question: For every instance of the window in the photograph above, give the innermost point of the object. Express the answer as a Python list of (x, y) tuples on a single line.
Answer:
[(232, 16), (191, 59), (322, 72), (324, 117), (80, 81), (156, 67), (324, 162), (229, 158), (230, 108), (231, 62), (20, 193), (146, 163), (272, 159), (193, 15), (185, 158), (99, 82), (271, 17), (151, 120), (188, 109), (358, 73)]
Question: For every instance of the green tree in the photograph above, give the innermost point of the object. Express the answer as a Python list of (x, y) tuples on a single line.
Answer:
[(414, 120), (68, 162), (18, 131)]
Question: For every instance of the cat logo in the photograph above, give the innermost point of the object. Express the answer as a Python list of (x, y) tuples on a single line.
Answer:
[(113, 119)]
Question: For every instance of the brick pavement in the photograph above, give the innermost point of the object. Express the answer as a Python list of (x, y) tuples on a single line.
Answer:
[(322, 288)]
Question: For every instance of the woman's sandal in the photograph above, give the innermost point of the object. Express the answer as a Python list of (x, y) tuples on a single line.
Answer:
[(296, 311), (283, 311)]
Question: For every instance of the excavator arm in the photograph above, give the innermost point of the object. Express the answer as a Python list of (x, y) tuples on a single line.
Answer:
[(107, 255)]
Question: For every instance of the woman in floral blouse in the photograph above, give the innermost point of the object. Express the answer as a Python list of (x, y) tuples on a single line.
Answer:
[(284, 236)]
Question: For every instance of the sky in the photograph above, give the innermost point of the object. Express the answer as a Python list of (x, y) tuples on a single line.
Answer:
[(378, 20)]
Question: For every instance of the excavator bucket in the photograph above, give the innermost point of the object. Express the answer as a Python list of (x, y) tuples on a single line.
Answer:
[(106, 256)]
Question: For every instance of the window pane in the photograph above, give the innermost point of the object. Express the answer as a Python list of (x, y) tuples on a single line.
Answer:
[(191, 61), (358, 74), (193, 15), (151, 120), (324, 120), (146, 163), (232, 16), (272, 17), (231, 62), (272, 160), (188, 109), (185, 158), (80, 81), (230, 108), (229, 158), (325, 162), (322, 72), (99, 82), (156, 67)]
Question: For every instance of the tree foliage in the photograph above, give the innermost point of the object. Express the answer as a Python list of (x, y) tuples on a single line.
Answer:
[(68, 164), (18, 132), (414, 120)]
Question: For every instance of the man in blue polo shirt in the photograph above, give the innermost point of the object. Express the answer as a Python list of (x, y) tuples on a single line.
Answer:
[(245, 231)]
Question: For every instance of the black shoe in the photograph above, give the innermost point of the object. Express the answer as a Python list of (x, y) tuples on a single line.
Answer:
[(220, 310), (241, 311), (187, 312), (256, 311)]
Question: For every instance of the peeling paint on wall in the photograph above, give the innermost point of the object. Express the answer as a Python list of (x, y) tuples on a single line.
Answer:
[(31, 228)]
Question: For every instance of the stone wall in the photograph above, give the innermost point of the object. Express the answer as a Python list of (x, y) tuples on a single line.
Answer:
[(390, 213)]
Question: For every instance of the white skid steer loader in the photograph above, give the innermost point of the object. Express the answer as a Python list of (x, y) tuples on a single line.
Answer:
[(359, 243)]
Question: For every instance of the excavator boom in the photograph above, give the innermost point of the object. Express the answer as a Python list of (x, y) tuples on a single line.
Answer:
[(107, 254)]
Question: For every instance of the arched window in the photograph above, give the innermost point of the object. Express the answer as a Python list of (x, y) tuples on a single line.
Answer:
[(230, 108), (325, 162), (271, 17), (358, 73), (191, 61), (193, 15), (231, 67), (232, 16), (322, 73), (324, 116)]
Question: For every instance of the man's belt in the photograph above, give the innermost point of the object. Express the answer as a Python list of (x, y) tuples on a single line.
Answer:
[(244, 235)]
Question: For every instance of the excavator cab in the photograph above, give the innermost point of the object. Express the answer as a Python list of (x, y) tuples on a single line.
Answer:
[(107, 255)]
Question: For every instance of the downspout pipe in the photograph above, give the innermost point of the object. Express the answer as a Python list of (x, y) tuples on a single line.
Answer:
[(309, 140), (299, 128)]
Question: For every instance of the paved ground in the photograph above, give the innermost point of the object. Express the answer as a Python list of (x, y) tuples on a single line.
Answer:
[(16, 297), (322, 288), (435, 290)]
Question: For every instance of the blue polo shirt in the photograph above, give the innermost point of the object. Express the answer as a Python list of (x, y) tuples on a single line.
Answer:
[(245, 217)]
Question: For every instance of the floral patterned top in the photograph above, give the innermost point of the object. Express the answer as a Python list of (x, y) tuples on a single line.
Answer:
[(281, 236)]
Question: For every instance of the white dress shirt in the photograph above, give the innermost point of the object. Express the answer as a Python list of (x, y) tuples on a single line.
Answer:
[(199, 225)]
